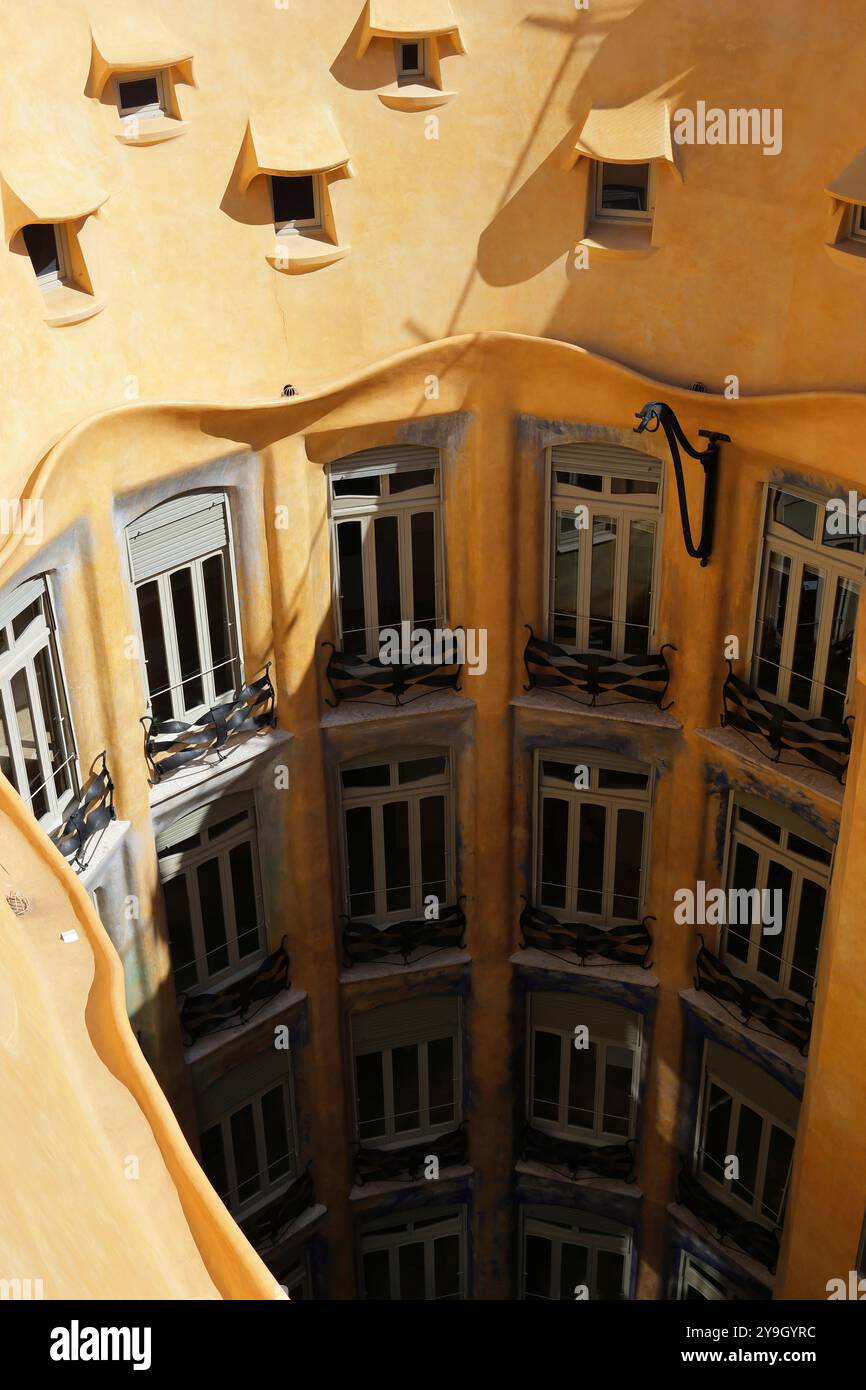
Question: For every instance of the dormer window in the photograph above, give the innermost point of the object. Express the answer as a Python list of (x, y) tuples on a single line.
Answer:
[(858, 222), (297, 203), (48, 249), (624, 191), (142, 96), (411, 58)]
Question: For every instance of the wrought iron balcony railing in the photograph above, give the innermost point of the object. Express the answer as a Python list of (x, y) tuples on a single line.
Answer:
[(407, 1164), (94, 810), (361, 678), (226, 1008), (825, 743), (578, 674), (170, 744), (785, 1017), (364, 943), (602, 1160), (625, 945), (269, 1224), (753, 1239)]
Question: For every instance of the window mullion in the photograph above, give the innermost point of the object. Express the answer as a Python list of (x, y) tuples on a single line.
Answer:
[(202, 962), (423, 1087), (390, 1126), (789, 632), (37, 715), (228, 897), (380, 895), (572, 854), (172, 650), (564, 1079), (611, 815), (584, 581)]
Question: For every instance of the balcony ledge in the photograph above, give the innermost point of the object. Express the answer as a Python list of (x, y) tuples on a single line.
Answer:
[(702, 1002), (381, 970), (215, 772), (153, 131), (385, 1189), (528, 1168), (296, 255), (273, 1010), (437, 702), (625, 712), (107, 842), (625, 241), (66, 305), (533, 959), (809, 778), (756, 1271), (414, 96)]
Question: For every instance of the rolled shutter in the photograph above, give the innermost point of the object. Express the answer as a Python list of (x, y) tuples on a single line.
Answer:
[(413, 1021), (177, 533), (14, 600), (241, 1084), (605, 1021), (389, 460), (198, 819), (753, 1084), (780, 815), (605, 458)]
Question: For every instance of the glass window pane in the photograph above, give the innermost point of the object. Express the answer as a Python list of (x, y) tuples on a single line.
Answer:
[(352, 615), (545, 1077), (602, 572), (771, 622), (377, 1277), (359, 853), (609, 1275), (567, 542), (536, 1267), (744, 876), (423, 527), (408, 481), (407, 1091), (398, 869), (624, 187), (294, 198), (446, 1266), (574, 1263), (779, 881), (806, 636), (629, 861), (617, 1091), (804, 956), (357, 487), (441, 1080), (212, 915), (213, 1159), (780, 1152), (581, 1086), (432, 816), (617, 779), (639, 589), (418, 769), (748, 1145), (180, 936), (370, 1087), (632, 486), (6, 765), (767, 828), (142, 91), (411, 1261), (183, 603), (554, 851), (153, 641), (716, 1132), (24, 718), (246, 1156), (276, 1133), (841, 647), (795, 514), (40, 239), (378, 776), (244, 898), (558, 772), (216, 603), (53, 723), (387, 551), (590, 871)]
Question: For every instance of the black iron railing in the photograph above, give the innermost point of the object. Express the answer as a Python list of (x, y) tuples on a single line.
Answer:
[(577, 675), (93, 811), (226, 1008), (825, 743), (271, 1222), (408, 1164), (170, 744), (363, 942), (625, 945), (375, 682), (601, 1160), (760, 1011), (753, 1239)]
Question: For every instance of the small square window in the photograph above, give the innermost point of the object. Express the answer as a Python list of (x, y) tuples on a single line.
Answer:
[(624, 191), (47, 248), (141, 95), (411, 58), (858, 222), (296, 202)]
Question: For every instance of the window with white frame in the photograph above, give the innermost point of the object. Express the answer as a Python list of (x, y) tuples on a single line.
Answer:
[(807, 607), (698, 1282), (407, 1071), (386, 529), (211, 887), (857, 222), (411, 57), (745, 1135), (573, 1255), (770, 849), (247, 1131), (399, 834), (37, 750), (587, 1093), (592, 835), (297, 202), (180, 557), (296, 1281), (47, 245), (605, 510), (142, 95), (624, 191), (417, 1260)]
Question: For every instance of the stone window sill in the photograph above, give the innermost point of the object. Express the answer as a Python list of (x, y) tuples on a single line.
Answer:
[(297, 255), (66, 304), (153, 131), (414, 96), (620, 240)]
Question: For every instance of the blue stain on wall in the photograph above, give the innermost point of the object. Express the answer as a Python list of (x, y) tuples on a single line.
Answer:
[(720, 788)]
